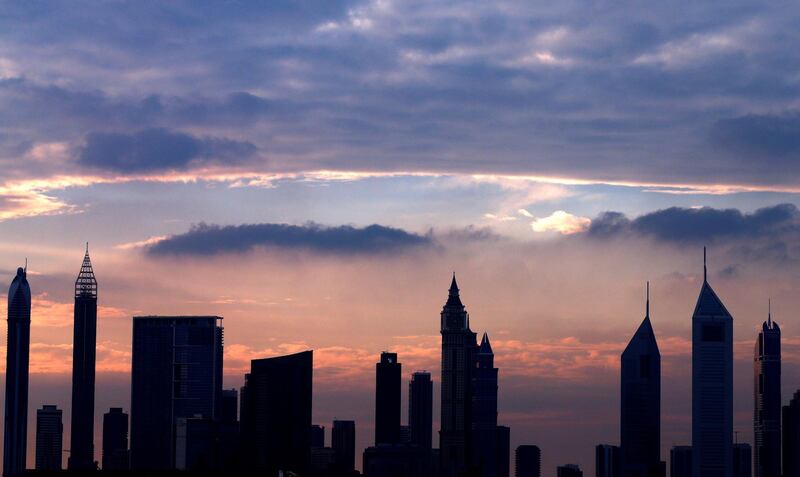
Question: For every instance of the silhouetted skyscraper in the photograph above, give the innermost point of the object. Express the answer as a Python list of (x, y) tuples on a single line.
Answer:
[(767, 400), (607, 461), (420, 409), (176, 373), (317, 435), (343, 441), (528, 461), (569, 470), (484, 411), (49, 434), (680, 461), (503, 451), (640, 403), (791, 437), (712, 385), (230, 406), (84, 343), (115, 439), (17, 354), (742, 460), (276, 413), (459, 347), (387, 399)]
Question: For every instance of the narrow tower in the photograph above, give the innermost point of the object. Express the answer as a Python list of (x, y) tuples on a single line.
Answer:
[(83, 358), (18, 351), (767, 400), (388, 380), (459, 346), (640, 405), (484, 411), (712, 385)]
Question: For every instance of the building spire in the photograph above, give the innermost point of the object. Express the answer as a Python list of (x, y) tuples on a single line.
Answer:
[(86, 284), (454, 286), (769, 313), (705, 268), (647, 306)]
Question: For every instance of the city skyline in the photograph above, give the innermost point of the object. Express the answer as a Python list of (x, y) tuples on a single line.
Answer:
[(315, 171)]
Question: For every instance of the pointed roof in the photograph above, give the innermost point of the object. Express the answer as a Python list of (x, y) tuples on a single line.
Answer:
[(708, 303), (645, 338), (86, 284), (20, 283), (486, 347), (453, 298), (769, 324)]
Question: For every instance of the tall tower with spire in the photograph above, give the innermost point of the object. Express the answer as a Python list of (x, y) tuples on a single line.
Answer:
[(767, 400), (640, 404), (712, 385), (83, 361), (484, 411), (17, 354), (459, 346)]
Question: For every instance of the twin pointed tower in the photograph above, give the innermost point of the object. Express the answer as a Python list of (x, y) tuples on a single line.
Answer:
[(640, 403), (712, 385), (83, 368), (469, 433)]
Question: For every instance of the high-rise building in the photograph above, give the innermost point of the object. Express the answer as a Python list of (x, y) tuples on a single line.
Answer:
[(459, 346), (569, 470), (767, 400), (680, 461), (712, 385), (115, 440), (528, 461), (607, 461), (15, 430), (742, 460), (49, 434), (176, 374), (230, 406), (791, 437), (343, 442), (502, 451), (317, 435), (420, 409), (84, 341), (276, 414), (484, 411), (387, 399), (640, 403)]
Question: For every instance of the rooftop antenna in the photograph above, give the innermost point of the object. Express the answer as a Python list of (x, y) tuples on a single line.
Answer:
[(769, 313), (87, 247), (705, 269), (25, 270)]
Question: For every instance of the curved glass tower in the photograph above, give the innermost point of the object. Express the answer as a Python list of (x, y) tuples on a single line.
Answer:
[(18, 351)]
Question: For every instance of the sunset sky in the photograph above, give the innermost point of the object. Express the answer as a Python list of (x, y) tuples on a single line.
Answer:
[(315, 170)]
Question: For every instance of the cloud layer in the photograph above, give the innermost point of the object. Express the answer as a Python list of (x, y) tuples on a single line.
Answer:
[(204, 239)]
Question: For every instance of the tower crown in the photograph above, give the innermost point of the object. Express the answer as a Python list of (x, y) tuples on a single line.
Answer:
[(86, 284)]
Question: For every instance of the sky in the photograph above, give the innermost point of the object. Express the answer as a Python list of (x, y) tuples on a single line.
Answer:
[(314, 171)]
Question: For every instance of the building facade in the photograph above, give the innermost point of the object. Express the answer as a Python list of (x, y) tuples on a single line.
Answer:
[(343, 442), (767, 400), (640, 403), (742, 460), (712, 385), (49, 436), (420, 410), (176, 373), (790, 431), (388, 391), (15, 424), (276, 414), (680, 461), (84, 343), (115, 440), (607, 461), (484, 411), (528, 461), (459, 347)]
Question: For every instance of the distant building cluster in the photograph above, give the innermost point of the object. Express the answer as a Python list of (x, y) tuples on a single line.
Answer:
[(181, 418)]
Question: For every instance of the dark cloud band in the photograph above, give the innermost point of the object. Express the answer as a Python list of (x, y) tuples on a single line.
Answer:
[(204, 239)]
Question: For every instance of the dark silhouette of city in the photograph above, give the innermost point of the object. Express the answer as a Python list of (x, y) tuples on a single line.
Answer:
[(182, 420)]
